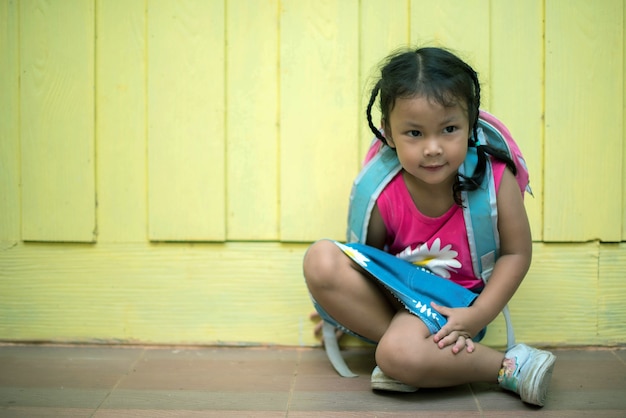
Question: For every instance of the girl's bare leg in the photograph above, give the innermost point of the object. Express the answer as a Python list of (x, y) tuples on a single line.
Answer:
[(346, 292), (406, 350), (407, 353)]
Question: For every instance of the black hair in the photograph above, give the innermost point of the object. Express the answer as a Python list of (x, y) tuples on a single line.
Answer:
[(441, 76)]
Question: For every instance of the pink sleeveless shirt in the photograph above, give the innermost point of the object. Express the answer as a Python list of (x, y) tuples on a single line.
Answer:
[(439, 244)]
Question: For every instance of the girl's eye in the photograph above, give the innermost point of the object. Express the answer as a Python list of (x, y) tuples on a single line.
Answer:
[(414, 133), (450, 129)]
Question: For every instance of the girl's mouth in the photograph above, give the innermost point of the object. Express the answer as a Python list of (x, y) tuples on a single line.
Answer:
[(432, 167)]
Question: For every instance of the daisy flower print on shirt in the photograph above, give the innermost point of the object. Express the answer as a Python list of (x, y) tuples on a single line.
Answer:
[(436, 259)]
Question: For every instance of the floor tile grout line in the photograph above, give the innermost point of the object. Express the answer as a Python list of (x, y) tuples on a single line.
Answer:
[(119, 381), (293, 382), (618, 357), (476, 401)]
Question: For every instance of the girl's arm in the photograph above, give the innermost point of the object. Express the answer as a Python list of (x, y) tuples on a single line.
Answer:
[(376, 230), (515, 251), (508, 273)]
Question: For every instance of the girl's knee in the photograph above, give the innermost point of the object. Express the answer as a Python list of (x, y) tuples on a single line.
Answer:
[(392, 353), (321, 263), (401, 354)]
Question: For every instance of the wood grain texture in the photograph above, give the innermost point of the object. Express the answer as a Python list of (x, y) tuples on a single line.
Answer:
[(558, 300), (319, 116), (254, 293), (584, 106), (517, 74), (624, 128), (169, 293), (461, 27), (611, 290), (252, 120), (121, 116), (10, 220), (186, 140), (57, 120)]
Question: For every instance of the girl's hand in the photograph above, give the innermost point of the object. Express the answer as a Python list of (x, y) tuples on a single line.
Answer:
[(317, 331), (458, 330)]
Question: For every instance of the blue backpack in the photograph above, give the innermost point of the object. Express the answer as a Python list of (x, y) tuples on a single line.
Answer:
[(480, 210)]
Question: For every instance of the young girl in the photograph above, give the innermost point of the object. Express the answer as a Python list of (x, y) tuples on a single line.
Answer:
[(429, 103)]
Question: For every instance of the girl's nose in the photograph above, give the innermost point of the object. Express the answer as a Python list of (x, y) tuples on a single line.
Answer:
[(432, 147)]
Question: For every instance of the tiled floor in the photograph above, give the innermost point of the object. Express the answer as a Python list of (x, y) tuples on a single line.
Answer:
[(102, 381)]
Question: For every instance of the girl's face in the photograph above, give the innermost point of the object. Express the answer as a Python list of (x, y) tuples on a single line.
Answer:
[(430, 139)]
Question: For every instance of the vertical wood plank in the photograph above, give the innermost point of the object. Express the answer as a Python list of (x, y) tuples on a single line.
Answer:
[(584, 128), (252, 119), (378, 38), (319, 116), (623, 123), (121, 117), (57, 120), (186, 164), (458, 25), (9, 126), (517, 62)]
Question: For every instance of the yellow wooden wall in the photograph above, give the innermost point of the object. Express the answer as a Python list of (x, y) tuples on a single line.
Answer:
[(164, 164)]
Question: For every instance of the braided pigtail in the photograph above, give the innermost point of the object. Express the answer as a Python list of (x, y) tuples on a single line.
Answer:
[(483, 151), (368, 113), (467, 183)]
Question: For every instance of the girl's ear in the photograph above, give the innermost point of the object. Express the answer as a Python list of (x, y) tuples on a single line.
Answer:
[(387, 134)]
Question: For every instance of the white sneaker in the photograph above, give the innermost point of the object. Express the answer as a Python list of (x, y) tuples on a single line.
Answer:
[(527, 372), (380, 381)]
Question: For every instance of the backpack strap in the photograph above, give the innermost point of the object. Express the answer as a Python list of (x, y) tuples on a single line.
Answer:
[(332, 351), (368, 185), (481, 215), (481, 221)]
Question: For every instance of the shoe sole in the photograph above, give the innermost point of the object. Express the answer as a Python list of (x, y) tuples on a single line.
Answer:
[(393, 387), (535, 390), (388, 386)]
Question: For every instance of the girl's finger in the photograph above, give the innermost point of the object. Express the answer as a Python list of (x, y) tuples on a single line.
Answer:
[(317, 330), (443, 332), (447, 339), (459, 345), (469, 344), (440, 335), (443, 310)]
